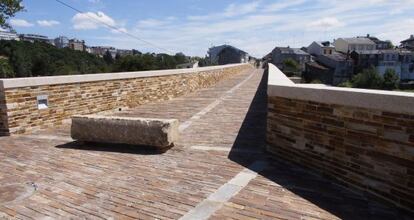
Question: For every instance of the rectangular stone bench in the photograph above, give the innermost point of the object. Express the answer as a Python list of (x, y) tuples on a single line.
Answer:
[(159, 133)]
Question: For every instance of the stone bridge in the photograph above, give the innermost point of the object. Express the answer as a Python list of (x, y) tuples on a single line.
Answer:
[(317, 162)]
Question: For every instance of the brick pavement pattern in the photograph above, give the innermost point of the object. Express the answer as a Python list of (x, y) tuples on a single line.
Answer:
[(45, 174)]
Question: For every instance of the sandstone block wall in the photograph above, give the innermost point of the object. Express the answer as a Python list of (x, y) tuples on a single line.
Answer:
[(362, 138), (3, 112), (20, 113), (364, 148)]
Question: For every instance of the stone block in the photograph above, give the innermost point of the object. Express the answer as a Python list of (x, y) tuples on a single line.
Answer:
[(160, 133)]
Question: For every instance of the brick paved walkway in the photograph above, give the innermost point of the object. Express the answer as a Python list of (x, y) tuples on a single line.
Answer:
[(217, 171)]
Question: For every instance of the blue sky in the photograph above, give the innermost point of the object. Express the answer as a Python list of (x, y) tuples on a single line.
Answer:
[(192, 26)]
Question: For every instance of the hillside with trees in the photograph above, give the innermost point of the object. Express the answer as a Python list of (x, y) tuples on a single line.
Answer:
[(26, 59)]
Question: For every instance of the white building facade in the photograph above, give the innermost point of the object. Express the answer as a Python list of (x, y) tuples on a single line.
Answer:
[(320, 48), (346, 45), (5, 35)]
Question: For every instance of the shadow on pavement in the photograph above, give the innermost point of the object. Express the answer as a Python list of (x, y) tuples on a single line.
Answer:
[(113, 148), (323, 192)]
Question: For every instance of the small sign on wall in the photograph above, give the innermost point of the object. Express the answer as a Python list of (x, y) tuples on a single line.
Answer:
[(42, 102)]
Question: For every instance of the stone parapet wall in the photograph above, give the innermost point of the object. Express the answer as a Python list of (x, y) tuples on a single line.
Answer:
[(359, 137), (96, 93), (3, 112)]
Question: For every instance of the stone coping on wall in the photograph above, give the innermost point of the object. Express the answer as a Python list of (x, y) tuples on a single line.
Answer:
[(397, 102), (56, 80)]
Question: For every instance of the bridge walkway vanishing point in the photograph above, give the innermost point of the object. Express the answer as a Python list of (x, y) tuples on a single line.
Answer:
[(218, 170)]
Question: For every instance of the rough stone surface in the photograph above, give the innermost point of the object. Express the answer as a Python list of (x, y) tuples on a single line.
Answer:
[(19, 112), (363, 148), (160, 133)]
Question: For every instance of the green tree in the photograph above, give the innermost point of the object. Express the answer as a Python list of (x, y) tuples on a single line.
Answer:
[(390, 44), (291, 67), (136, 52), (21, 62), (8, 8), (391, 80), (181, 58), (128, 63), (108, 57), (205, 62), (41, 59), (368, 79), (117, 56), (6, 71)]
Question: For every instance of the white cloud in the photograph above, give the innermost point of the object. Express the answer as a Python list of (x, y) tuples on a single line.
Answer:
[(119, 31), (257, 27), (47, 23), (20, 23), (94, 1), (91, 20), (241, 9), (232, 10), (282, 5), (397, 31), (151, 23), (327, 23)]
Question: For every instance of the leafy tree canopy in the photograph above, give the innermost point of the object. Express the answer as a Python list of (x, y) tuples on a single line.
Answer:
[(368, 79), (8, 8), (291, 64), (391, 80), (41, 59), (26, 59), (371, 79)]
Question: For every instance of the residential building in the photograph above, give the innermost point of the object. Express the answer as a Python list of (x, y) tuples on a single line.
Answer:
[(408, 43), (320, 48), (315, 71), (347, 45), (230, 55), (342, 66), (88, 49), (213, 54), (389, 59), (6, 35), (123, 53), (101, 50), (35, 38), (407, 64), (76, 44), (266, 60), (379, 44), (61, 42), (399, 60), (280, 54), (364, 59)]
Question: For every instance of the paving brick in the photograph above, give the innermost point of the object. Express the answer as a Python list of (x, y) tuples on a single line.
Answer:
[(89, 181)]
